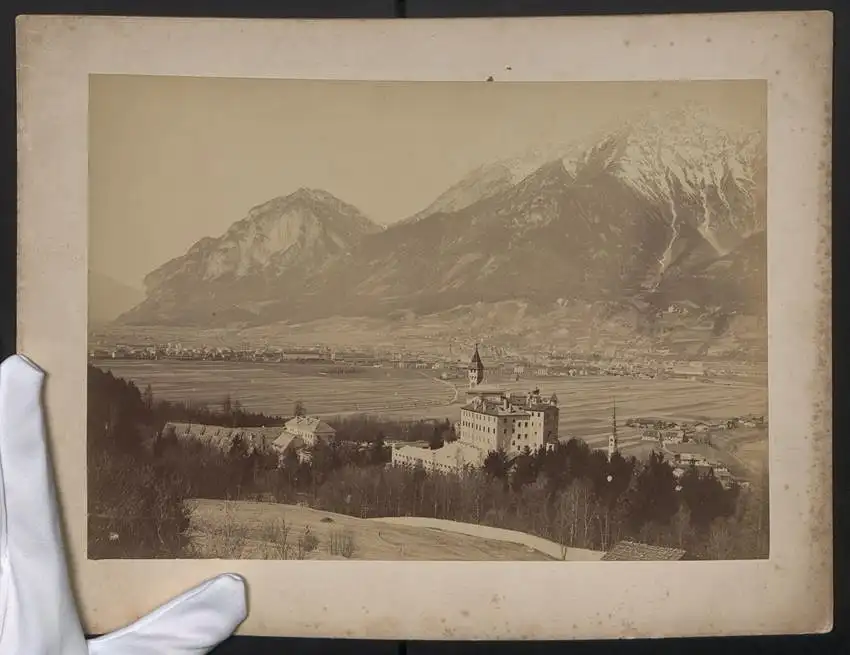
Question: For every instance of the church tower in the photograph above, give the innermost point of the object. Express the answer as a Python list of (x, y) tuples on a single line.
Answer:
[(476, 370), (613, 446)]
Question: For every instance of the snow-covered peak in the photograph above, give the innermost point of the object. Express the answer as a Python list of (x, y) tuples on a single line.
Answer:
[(659, 153), (685, 157)]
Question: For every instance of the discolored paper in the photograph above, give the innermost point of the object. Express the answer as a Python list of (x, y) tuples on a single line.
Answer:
[(473, 199)]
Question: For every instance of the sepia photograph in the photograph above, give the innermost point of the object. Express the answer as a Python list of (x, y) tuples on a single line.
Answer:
[(474, 329), (474, 320)]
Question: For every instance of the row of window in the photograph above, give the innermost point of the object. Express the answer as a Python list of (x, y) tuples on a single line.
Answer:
[(480, 426), (406, 460)]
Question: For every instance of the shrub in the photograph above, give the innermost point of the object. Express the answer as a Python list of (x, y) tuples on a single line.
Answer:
[(223, 541), (306, 544), (135, 508), (341, 542), (275, 537)]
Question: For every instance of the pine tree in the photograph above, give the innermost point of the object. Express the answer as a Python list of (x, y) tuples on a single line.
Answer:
[(378, 452), (496, 464), (655, 499), (147, 398), (436, 440)]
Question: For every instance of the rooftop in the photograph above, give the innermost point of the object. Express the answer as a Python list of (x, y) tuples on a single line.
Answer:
[(540, 407), (287, 439), (449, 453), (309, 424), (493, 409), (476, 359), (220, 436)]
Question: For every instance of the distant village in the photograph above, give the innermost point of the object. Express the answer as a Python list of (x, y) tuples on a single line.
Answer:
[(629, 363), (667, 431)]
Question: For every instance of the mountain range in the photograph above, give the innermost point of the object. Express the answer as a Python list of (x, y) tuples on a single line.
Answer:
[(660, 210), (109, 298)]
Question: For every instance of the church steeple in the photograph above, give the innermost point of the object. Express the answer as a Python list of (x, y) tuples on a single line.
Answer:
[(613, 446), (476, 369)]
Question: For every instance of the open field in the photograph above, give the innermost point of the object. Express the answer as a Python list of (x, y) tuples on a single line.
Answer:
[(274, 388), (748, 447), (240, 529), (586, 402), (635, 448)]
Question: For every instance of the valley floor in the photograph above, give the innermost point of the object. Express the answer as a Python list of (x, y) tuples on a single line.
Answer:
[(405, 394)]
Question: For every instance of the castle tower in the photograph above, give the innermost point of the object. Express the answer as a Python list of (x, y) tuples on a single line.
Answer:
[(476, 370), (613, 446)]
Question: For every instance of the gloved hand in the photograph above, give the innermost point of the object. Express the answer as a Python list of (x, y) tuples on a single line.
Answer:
[(37, 611)]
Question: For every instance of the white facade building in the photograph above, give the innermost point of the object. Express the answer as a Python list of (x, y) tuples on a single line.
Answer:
[(452, 457), (509, 423), (310, 429), (492, 420)]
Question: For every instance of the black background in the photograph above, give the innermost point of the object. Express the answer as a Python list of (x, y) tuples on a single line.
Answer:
[(835, 642)]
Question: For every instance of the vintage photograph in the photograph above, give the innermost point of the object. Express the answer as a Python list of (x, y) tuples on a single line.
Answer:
[(359, 320)]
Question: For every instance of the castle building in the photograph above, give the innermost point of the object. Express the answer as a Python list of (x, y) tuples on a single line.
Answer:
[(510, 422), (492, 419), (498, 420)]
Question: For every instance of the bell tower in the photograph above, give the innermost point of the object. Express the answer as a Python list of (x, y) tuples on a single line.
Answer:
[(475, 373), (613, 446)]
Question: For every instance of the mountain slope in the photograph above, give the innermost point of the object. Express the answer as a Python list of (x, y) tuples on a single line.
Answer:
[(665, 208), (266, 256), (735, 282), (648, 201), (543, 239), (109, 298), (491, 179)]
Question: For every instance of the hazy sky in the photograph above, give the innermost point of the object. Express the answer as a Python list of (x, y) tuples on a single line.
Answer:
[(175, 159)]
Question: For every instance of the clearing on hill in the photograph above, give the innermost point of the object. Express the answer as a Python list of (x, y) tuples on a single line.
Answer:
[(253, 530)]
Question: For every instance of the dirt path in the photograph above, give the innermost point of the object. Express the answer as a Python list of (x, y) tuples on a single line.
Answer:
[(531, 542), (447, 383)]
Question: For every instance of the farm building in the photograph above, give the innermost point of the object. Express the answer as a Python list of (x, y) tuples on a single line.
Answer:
[(222, 437), (673, 436), (298, 433), (288, 441), (309, 429)]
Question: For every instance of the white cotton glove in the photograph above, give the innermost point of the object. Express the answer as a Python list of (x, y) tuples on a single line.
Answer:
[(37, 611)]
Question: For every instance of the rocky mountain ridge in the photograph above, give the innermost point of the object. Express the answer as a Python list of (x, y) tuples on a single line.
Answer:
[(663, 209)]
